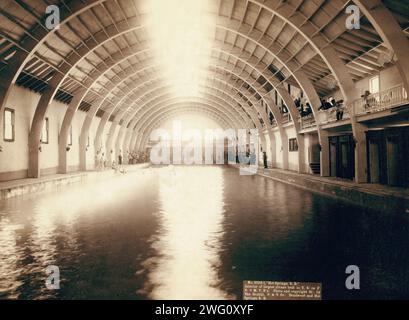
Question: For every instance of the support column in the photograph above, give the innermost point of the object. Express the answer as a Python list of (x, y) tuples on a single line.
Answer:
[(301, 154), (63, 141), (118, 146), (284, 149), (37, 126), (132, 143), (271, 139), (83, 148), (324, 154), (125, 145), (100, 132), (273, 151), (361, 167), (35, 135), (263, 144), (34, 158)]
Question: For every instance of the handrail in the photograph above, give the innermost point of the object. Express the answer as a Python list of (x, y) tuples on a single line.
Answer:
[(286, 118), (307, 122), (330, 115), (381, 101)]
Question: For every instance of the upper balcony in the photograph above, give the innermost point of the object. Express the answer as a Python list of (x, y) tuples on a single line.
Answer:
[(381, 101), (307, 122), (286, 118), (273, 122), (328, 117), (371, 104)]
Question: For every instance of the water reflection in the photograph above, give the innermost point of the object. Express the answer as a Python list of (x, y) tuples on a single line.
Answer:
[(195, 232), (9, 258), (46, 229), (188, 244)]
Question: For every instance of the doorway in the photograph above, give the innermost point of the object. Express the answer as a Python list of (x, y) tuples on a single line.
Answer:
[(388, 156), (342, 157), (377, 157)]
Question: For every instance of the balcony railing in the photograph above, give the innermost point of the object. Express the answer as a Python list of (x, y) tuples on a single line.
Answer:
[(330, 115), (381, 101), (374, 103), (285, 118), (307, 122), (273, 122)]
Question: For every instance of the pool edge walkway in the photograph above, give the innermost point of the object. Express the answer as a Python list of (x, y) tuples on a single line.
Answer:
[(21, 187), (374, 196)]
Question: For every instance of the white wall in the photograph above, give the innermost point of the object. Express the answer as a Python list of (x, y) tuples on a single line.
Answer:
[(279, 152), (49, 152), (310, 140), (310, 146), (292, 156), (14, 158), (268, 147), (15, 154), (91, 149)]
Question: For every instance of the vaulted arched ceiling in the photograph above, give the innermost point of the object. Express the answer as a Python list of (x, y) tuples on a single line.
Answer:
[(103, 57)]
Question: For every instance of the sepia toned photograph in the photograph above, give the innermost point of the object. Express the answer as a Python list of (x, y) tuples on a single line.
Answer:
[(208, 156)]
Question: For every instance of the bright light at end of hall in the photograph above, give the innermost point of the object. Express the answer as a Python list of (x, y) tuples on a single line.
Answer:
[(181, 30)]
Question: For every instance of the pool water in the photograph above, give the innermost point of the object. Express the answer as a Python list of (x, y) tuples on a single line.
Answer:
[(195, 233)]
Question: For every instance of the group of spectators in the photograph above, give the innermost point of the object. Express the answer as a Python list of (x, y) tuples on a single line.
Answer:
[(303, 110), (137, 157), (271, 117), (338, 105), (101, 162), (248, 158)]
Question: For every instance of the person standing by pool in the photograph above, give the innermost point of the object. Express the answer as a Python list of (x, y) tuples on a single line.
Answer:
[(265, 160)]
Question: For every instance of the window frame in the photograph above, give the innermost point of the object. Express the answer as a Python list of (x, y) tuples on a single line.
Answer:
[(69, 141), (371, 86), (13, 124), (293, 145), (47, 130)]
